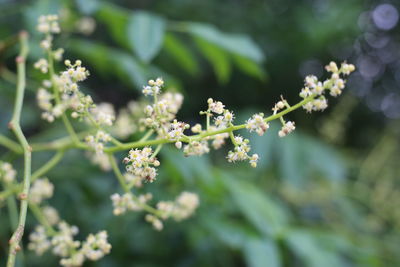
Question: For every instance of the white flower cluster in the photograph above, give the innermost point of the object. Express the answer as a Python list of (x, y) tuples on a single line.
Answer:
[(45, 101), (130, 119), (133, 180), (129, 202), (42, 65), (39, 241), (175, 132), (48, 24), (80, 104), (124, 124), (153, 87), (73, 253), (140, 162), (241, 150), (256, 123), (103, 114), (155, 221), (96, 246), (51, 215), (100, 159), (160, 116), (162, 113), (287, 128), (63, 242), (68, 80), (41, 189), (196, 148), (7, 172), (218, 140), (86, 25), (226, 117), (335, 84), (215, 106), (182, 208), (97, 142)]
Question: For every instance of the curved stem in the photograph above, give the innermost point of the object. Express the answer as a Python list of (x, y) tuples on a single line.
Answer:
[(126, 146), (35, 175), (146, 136), (125, 187), (117, 172), (16, 128), (38, 213), (155, 153), (10, 144), (56, 92), (48, 165)]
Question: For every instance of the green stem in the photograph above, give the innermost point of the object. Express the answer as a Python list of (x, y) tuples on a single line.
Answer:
[(208, 121), (8, 192), (10, 144), (16, 128), (67, 143), (48, 165), (12, 209), (120, 177), (116, 141), (35, 175), (125, 187), (158, 149), (232, 138), (57, 98), (146, 136), (201, 136), (63, 143), (38, 213)]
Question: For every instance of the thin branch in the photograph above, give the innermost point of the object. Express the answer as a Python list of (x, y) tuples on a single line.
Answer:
[(67, 123), (125, 187), (38, 213), (117, 172), (48, 165), (16, 128), (126, 146), (10, 144)]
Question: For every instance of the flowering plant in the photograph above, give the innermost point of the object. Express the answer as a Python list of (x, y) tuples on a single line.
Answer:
[(61, 97)]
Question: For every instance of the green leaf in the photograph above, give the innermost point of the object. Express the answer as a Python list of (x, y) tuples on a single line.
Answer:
[(146, 34), (249, 67), (180, 53), (129, 69), (315, 250), (87, 7), (218, 58), (114, 62), (261, 253), (95, 53), (264, 213), (239, 44), (229, 232), (302, 157), (191, 170), (116, 20), (258, 252)]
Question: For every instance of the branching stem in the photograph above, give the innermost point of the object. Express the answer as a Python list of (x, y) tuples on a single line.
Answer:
[(16, 128)]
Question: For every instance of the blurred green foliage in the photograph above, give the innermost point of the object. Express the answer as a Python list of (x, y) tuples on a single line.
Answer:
[(327, 195)]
